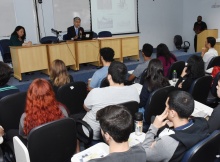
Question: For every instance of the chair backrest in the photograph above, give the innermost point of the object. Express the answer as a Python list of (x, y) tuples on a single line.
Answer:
[(65, 37), (178, 66), (72, 95), (54, 141), (105, 34), (215, 61), (94, 35), (49, 40), (11, 109), (206, 150), (156, 102), (5, 50), (214, 84), (132, 106), (104, 83), (178, 41), (21, 151), (143, 76), (200, 88)]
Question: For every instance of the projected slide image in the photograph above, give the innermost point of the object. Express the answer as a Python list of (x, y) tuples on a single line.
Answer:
[(123, 4), (104, 23), (104, 4), (123, 24)]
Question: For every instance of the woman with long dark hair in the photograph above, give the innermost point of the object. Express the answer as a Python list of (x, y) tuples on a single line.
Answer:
[(154, 80), (193, 70), (41, 107), (165, 56), (18, 37)]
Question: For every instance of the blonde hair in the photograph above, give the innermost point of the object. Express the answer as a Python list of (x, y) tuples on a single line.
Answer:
[(58, 73)]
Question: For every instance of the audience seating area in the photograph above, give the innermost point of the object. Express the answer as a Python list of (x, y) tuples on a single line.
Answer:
[(56, 141)]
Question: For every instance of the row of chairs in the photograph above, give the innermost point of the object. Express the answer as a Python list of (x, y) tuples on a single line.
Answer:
[(95, 35), (155, 106), (48, 135)]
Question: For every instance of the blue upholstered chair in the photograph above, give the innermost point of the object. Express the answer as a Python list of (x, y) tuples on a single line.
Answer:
[(105, 34), (94, 35), (49, 40), (5, 50), (65, 37), (205, 151)]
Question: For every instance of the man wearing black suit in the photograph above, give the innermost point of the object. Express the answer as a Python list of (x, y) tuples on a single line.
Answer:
[(75, 32)]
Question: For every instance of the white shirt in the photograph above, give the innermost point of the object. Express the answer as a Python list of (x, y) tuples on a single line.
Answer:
[(99, 98), (208, 56)]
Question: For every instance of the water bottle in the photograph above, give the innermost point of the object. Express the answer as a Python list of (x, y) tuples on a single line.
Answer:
[(174, 76), (138, 123)]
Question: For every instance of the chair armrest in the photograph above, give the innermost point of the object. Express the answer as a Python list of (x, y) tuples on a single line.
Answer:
[(80, 135), (187, 43)]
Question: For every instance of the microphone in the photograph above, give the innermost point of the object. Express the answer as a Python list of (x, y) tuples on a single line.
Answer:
[(55, 31), (80, 34)]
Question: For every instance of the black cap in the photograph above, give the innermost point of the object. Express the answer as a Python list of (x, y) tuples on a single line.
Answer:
[(138, 116)]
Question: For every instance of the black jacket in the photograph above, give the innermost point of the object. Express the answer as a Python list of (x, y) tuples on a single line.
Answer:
[(71, 33), (189, 137)]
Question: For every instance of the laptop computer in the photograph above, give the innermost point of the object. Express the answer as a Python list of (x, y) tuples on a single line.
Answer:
[(87, 36)]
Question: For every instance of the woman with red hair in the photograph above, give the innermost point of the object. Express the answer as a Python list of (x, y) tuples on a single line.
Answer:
[(41, 107)]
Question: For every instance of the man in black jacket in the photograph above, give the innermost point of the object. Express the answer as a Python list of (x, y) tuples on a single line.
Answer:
[(75, 32), (198, 27)]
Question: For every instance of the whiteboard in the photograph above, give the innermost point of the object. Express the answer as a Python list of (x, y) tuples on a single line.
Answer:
[(7, 18), (65, 10)]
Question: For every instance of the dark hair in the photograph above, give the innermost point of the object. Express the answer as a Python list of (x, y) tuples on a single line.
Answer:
[(182, 102), (76, 18), (195, 67), (147, 49), (211, 40), (5, 73), (17, 29), (118, 71), (107, 53), (154, 77), (117, 121), (163, 50)]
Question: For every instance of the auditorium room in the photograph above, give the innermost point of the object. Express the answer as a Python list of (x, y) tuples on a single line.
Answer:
[(109, 81)]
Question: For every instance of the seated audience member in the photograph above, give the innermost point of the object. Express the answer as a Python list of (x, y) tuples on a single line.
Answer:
[(207, 56), (166, 57), (41, 107), (153, 80), (59, 75), (147, 51), (171, 144), (193, 70), (5, 75), (18, 36), (106, 55), (116, 93), (116, 125), (214, 119)]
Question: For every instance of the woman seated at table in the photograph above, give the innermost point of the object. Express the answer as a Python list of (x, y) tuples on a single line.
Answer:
[(41, 107), (18, 36), (59, 75), (166, 57), (193, 70), (153, 80)]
